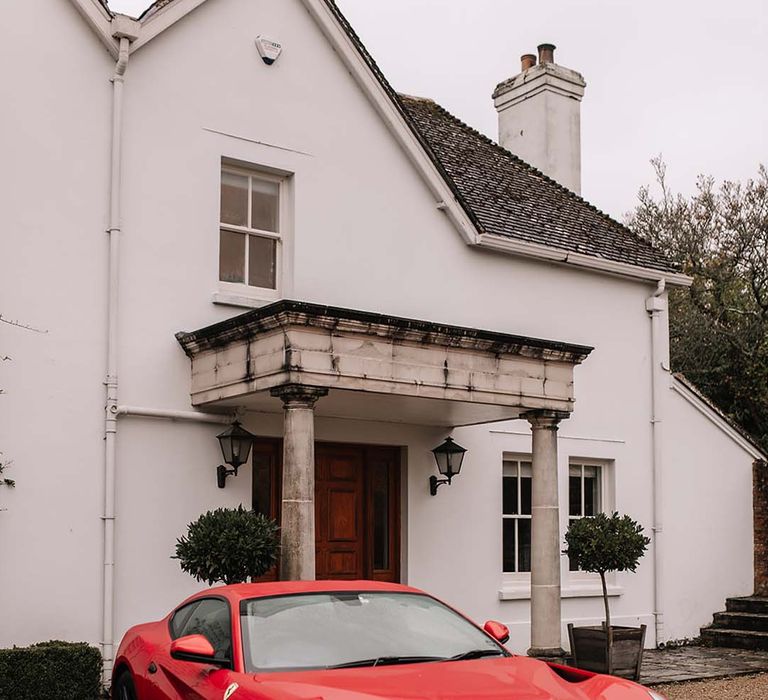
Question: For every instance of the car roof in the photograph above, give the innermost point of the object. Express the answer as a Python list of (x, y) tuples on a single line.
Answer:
[(241, 591)]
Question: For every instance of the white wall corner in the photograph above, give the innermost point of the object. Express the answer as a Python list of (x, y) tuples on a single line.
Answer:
[(99, 20), (160, 20)]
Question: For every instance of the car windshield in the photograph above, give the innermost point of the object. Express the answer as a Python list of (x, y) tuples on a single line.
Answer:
[(327, 630)]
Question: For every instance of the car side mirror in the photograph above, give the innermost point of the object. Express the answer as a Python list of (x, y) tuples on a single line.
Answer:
[(197, 649), (497, 630)]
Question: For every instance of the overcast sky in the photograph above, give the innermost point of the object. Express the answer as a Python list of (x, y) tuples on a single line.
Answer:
[(682, 78)]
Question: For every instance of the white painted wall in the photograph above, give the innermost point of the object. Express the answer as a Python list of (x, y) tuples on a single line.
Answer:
[(54, 127), (708, 518), (366, 235)]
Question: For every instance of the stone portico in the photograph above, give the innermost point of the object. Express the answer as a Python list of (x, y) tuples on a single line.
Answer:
[(342, 363)]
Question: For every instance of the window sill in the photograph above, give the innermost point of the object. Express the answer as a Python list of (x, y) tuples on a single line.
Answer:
[(242, 300), (524, 592)]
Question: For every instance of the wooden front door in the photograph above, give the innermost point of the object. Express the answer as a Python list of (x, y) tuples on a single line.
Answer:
[(339, 512), (357, 507)]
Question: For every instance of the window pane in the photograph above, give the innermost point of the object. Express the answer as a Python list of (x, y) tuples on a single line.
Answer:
[(264, 205), (509, 491), (574, 495), (231, 257), (525, 495), (262, 484), (211, 619), (591, 494), (380, 488), (234, 199), (261, 262), (508, 536), (524, 545)]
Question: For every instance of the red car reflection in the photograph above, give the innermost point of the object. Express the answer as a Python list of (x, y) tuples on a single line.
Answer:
[(336, 640)]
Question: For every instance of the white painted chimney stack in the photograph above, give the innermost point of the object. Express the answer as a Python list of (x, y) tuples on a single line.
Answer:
[(540, 116)]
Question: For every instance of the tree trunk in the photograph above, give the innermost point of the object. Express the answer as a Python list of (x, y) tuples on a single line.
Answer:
[(607, 610)]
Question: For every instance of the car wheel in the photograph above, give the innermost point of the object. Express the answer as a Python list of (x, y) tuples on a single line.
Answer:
[(123, 688)]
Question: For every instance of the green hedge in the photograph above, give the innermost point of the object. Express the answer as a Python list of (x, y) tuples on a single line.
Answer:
[(50, 671)]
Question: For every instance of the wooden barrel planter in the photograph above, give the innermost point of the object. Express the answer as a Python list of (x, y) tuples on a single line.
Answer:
[(592, 649)]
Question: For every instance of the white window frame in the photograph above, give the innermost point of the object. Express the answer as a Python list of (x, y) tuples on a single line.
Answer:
[(604, 506), (515, 577), (234, 291)]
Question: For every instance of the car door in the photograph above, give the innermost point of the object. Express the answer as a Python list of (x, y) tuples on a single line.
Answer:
[(172, 678)]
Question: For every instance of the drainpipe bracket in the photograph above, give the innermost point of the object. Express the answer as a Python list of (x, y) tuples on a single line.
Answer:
[(124, 27), (655, 304)]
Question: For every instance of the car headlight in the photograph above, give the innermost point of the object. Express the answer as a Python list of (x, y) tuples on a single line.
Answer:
[(656, 696)]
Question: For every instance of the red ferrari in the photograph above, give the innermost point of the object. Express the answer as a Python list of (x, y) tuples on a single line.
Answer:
[(337, 640)]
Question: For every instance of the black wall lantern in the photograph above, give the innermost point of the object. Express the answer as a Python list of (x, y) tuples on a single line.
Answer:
[(236, 443), (449, 457)]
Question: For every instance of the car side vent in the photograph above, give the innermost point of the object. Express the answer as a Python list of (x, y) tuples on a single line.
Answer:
[(570, 674)]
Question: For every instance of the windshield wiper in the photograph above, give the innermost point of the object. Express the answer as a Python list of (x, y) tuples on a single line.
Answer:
[(388, 661), (475, 654)]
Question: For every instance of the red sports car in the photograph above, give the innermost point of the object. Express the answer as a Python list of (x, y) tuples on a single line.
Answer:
[(337, 640)]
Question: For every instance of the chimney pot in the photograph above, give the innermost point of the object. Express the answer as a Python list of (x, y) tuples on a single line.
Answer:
[(546, 53), (527, 61)]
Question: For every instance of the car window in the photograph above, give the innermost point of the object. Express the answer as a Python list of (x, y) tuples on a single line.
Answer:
[(180, 618), (209, 617)]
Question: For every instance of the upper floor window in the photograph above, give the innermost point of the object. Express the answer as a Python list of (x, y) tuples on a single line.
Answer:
[(250, 229), (585, 494)]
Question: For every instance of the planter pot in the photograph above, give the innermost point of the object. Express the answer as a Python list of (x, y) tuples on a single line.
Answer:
[(592, 652)]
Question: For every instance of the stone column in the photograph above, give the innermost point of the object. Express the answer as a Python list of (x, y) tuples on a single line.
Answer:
[(297, 523), (545, 536), (760, 507)]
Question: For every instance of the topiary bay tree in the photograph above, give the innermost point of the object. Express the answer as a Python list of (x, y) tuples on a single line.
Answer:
[(228, 545), (606, 543)]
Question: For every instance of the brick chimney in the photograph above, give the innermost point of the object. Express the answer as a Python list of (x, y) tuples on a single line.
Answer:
[(540, 116)]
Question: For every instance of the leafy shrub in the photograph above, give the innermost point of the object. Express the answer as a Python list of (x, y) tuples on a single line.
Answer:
[(606, 543), (229, 545), (60, 670)]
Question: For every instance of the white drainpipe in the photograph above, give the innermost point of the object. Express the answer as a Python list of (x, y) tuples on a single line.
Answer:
[(656, 306), (173, 415), (125, 30)]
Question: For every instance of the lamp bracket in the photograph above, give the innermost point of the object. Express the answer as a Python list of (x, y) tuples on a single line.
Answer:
[(222, 473), (435, 483)]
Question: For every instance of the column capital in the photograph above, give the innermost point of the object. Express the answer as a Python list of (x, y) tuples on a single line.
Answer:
[(543, 419), (298, 395)]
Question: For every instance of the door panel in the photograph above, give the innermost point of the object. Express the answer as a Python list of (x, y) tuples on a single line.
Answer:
[(339, 537)]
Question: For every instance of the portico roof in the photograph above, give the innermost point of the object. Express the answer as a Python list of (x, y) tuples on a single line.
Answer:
[(420, 371)]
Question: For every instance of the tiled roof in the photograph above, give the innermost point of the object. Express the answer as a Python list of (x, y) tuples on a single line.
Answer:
[(507, 197)]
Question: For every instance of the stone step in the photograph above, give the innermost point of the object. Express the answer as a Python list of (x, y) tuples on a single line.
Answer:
[(740, 621), (751, 604), (735, 639)]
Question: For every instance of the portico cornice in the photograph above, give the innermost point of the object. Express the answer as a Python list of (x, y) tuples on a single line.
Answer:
[(287, 313)]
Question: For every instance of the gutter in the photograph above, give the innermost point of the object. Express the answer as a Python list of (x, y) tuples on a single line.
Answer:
[(580, 260), (656, 306), (125, 30)]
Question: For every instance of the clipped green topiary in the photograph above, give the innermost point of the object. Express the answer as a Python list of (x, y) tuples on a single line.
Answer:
[(61, 670), (606, 543), (230, 545)]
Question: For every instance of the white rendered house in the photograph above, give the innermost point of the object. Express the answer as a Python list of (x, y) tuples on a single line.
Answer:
[(356, 275)]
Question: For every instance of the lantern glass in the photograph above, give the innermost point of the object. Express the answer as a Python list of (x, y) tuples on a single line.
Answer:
[(449, 457), (236, 443)]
